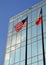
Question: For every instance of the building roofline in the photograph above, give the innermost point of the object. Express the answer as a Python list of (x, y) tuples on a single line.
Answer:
[(27, 10)]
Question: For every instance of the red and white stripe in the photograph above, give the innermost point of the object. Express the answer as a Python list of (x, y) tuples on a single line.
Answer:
[(18, 26)]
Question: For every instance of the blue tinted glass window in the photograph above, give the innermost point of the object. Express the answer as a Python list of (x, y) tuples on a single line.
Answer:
[(44, 26), (45, 44), (29, 33), (18, 38), (29, 18), (39, 37), (17, 46), (22, 63), (34, 59), (28, 41), (17, 55), (16, 63), (34, 49), (33, 15), (40, 57), (29, 51), (12, 57), (28, 61), (34, 39), (8, 41), (44, 10), (22, 53), (39, 29), (7, 57), (23, 35), (45, 55), (13, 40), (10, 27), (41, 63), (23, 43), (39, 46), (7, 50), (6, 62), (34, 64), (33, 31)]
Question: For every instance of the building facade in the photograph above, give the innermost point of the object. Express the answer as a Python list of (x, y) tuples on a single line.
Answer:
[(15, 47)]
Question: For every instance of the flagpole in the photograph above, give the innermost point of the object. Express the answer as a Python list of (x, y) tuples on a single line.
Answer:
[(26, 43), (43, 42)]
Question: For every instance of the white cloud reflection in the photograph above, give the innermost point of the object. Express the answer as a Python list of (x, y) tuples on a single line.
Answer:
[(7, 56)]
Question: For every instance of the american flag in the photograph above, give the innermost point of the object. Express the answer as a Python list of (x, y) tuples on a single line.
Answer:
[(20, 25)]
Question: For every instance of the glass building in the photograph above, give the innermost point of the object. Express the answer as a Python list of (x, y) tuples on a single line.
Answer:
[(15, 47)]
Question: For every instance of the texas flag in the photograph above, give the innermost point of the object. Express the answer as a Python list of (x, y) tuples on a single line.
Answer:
[(39, 20)]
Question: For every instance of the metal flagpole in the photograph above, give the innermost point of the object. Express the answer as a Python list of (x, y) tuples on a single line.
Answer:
[(42, 40), (26, 43)]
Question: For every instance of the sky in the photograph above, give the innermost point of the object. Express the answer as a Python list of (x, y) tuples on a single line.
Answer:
[(9, 8)]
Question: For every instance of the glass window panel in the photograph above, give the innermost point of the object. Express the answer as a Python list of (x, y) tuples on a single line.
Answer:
[(45, 44), (23, 35), (29, 33), (13, 40), (14, 32), (7, 50), (8, 41), (28, 61), (34, 39), (12, 57), (11, 20), (29, 25), (17, 46), (29, 18), (17, 55), (6, 62), (34, 15), (28, 50), (12, 48), (33, 9), (39, 46), (44, 35), (22, 53), (34, 64), (7, 57), (33, 23), (40, 57), (16, 63), (34, 59), (34, 49), (29, 41), (44, 18), (10, 34), (23, 43), (44, 10), (41, 63), (24, 16), (10, 27), (38, 12), (22, 63), (18, 38), (39, 37), (15, 21), (45, 55), (33, 31), (39, 29), (44, 26)]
